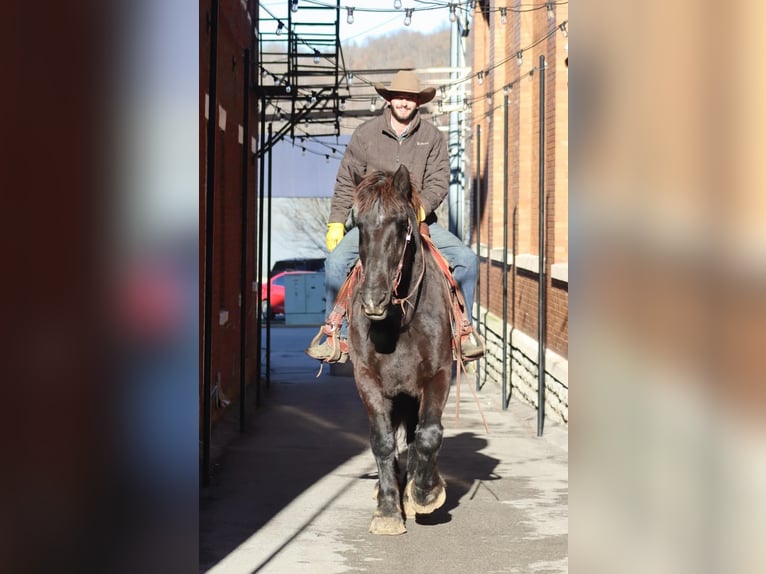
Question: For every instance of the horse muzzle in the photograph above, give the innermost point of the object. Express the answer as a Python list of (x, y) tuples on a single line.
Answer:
[(375, 309)]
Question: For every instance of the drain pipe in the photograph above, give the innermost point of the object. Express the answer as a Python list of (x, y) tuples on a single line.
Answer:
[(541, 299), (477, 203), (207, 352), (506, 399), (244, 291)]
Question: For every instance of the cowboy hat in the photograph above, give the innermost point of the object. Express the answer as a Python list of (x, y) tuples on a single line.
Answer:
[(406, 82)]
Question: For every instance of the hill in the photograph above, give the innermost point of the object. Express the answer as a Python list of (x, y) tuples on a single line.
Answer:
[(403, 49)]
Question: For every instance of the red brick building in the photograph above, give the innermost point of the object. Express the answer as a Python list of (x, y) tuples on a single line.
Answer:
[(504, 47)]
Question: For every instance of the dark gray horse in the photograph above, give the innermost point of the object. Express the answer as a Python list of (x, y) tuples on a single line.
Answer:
[(400, 335)]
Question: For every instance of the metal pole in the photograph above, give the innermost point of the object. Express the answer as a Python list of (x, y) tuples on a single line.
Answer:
[(243, 247), (477, 195), (261, 184), (505, 253), (209, 232), (268, 266), (541, 303)]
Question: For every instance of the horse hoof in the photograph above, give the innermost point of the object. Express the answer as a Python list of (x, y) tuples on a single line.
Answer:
[(431, 501), (387, 525)]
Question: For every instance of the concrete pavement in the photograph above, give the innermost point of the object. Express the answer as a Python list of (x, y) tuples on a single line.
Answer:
[(294, 492)]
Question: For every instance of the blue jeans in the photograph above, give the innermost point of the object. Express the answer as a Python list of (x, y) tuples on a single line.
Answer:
[(461, 259)]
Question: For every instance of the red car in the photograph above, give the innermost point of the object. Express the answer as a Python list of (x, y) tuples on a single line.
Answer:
[(275, 305)]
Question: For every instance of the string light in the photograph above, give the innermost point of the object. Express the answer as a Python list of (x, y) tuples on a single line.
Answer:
[(373, 101), (342, 106), (397, 4), (350, 16), (280, 27), (350, 78), (480, 78), (503, 18), (303, 151), (408, 16), (520, 57), (294, 5), (563, 28), (452, 14), (549, 8), (316, 56)]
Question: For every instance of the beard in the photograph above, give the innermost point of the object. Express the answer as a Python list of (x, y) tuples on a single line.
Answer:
[(404, 119)]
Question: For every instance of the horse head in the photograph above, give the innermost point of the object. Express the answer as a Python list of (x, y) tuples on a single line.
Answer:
[(385, 215)]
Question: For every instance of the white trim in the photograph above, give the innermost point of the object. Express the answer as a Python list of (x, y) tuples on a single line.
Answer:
[(240, 134), (560, 272), (207, 106), (528, 262), (221, 118)]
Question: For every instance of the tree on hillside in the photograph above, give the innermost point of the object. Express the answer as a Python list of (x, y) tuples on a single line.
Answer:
[(304, 223)]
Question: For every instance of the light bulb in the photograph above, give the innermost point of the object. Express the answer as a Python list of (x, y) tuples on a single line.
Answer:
[(563, 29), (372, 104), (408, 17), (519, 57), (350, 78), (452, 14), (503, 17), (397, 4), (480, 78), (342, 106), (316, 56), (549, 8), (294, 5), (350, 16), (280, 27)]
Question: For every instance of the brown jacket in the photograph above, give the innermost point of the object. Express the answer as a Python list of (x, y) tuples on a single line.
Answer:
[(375, 146)]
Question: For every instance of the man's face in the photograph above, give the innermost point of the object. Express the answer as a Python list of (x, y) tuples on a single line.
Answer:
[(403, 107)]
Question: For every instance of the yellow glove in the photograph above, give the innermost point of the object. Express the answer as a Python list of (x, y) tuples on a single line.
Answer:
[(421, 214), (335, 232)]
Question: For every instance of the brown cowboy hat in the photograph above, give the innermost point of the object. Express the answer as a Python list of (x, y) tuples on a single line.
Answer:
[(406, 82)]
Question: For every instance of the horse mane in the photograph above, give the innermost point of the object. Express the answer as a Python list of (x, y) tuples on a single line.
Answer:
[(376, 192)]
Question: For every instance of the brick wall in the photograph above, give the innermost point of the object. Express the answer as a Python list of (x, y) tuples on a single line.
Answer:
[(234, 36), (514, 195)]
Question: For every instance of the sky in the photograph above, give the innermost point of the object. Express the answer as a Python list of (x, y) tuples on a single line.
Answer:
[(373, 17)]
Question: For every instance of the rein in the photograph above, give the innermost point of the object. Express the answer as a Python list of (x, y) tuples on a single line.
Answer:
[(398, 275)]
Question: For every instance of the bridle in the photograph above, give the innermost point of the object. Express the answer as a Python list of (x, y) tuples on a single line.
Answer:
[(398, 274)]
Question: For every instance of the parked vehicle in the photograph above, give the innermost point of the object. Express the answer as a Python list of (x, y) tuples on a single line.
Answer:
[(275, 304)]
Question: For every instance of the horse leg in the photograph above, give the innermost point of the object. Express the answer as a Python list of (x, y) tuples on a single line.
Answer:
[(426, 489), (387, 518)]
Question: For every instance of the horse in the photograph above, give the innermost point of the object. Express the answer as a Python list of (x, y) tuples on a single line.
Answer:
[(399, 339)]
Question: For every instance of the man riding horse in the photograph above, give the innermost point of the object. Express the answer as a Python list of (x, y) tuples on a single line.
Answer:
[(399, 136)]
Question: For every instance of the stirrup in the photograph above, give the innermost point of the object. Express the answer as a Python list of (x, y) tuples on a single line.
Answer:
[(339, 353)]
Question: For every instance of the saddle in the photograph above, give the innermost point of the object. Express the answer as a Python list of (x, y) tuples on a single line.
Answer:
[(461, 326)]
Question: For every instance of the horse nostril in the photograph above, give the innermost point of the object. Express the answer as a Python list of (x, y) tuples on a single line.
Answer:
[(375, 306)]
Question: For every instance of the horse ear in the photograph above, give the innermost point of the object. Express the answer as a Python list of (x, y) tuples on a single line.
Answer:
[(402, 182)]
